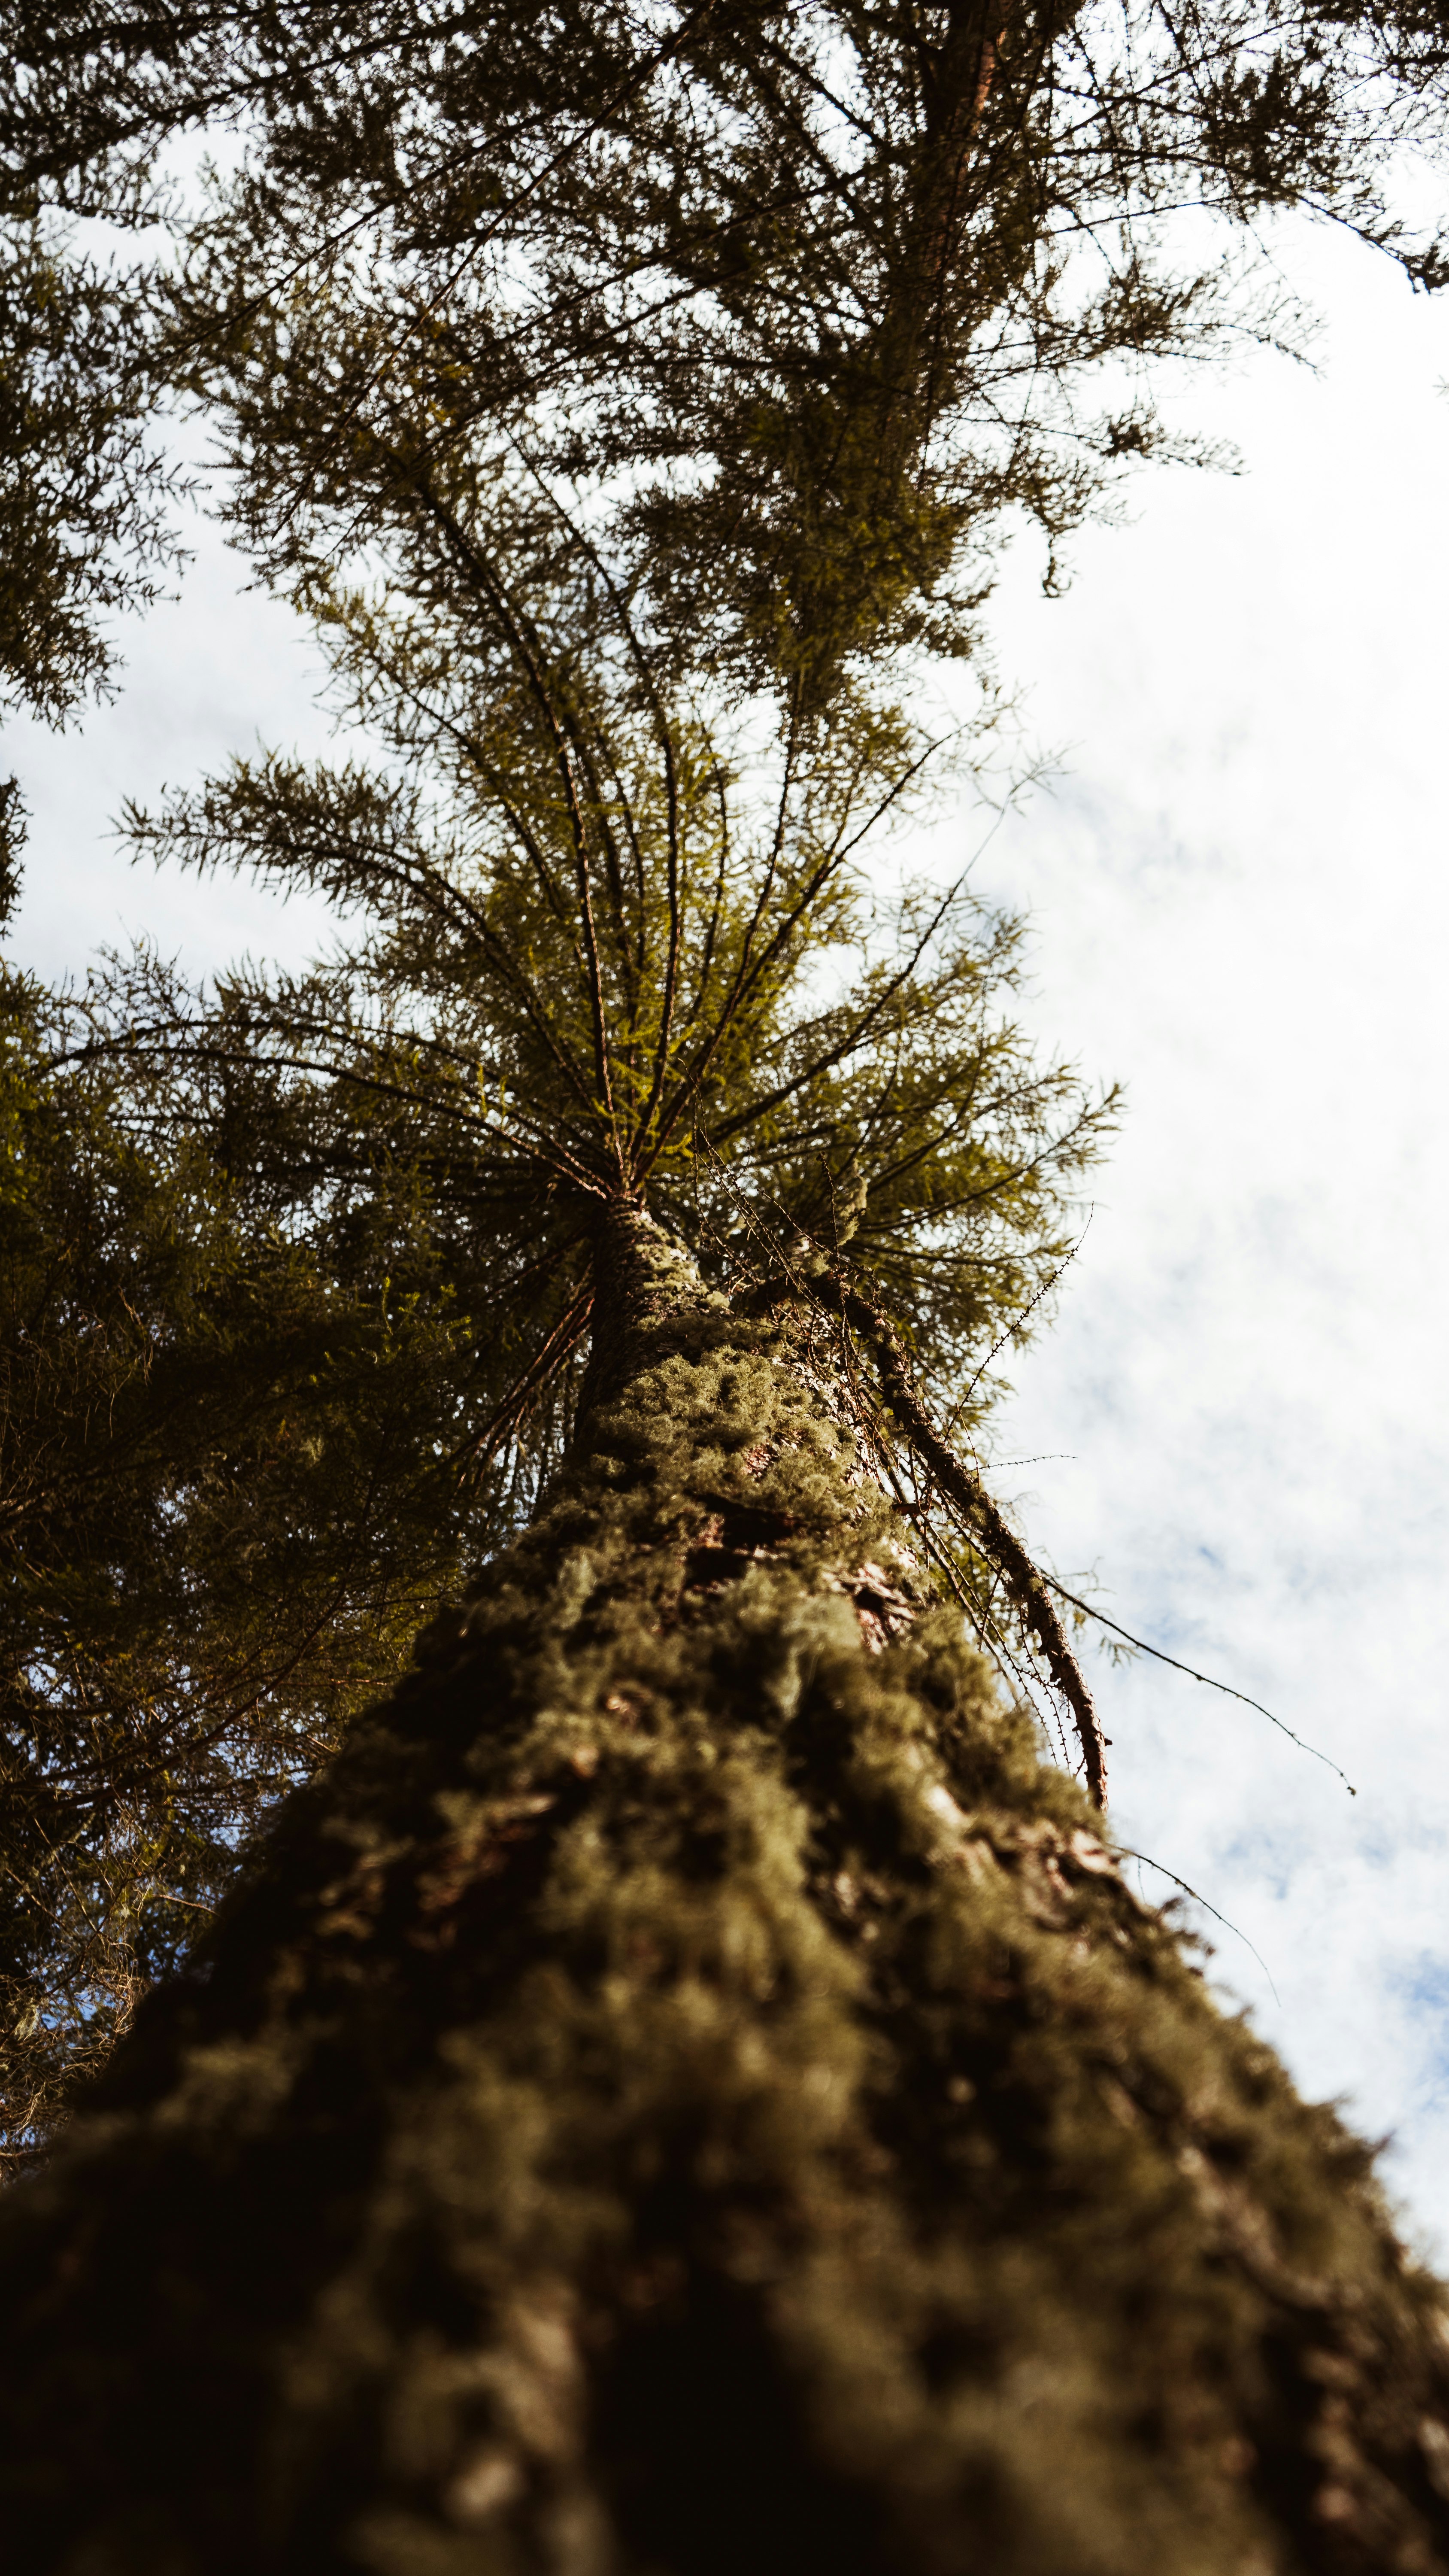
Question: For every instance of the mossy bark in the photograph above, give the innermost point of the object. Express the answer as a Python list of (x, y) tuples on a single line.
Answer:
[(687, 2094)]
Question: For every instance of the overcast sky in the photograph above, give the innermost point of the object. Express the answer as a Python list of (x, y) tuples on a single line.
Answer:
[(1240, 907)]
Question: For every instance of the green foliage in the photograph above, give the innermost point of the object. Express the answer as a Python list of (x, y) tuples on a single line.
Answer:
[(686, 2091), (233, 1479), (804, 306), (84, 491), (586, 953), (13, 833)]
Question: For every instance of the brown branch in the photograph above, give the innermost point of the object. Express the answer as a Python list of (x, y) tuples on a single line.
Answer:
[(555, 1158), (665, 736), (529, 660), (508, 1416), (993, 1535), (687, 1089)]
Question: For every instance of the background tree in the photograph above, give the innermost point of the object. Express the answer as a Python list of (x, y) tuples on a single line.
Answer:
[(86, 492), (224, 1511), (98, 1248)]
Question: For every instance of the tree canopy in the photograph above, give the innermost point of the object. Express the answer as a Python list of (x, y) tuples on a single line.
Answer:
[(807, 297)]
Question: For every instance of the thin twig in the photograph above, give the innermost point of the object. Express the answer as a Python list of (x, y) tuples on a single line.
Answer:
[(1226, 1687), (1124, 1851), (1018, 1324), (993, 1535)]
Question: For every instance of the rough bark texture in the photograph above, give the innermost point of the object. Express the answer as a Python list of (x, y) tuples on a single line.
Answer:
[(687, 2094)]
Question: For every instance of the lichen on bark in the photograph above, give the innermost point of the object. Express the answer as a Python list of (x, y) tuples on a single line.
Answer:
[(687, 2091)]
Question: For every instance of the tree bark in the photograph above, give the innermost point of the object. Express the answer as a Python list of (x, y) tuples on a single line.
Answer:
[(687, 2093)]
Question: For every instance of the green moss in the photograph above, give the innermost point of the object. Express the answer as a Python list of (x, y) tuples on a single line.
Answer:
[(688, 2092)]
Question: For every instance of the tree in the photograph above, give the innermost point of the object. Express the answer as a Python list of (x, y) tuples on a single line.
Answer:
[(86, 493), (287, 1351), (686, 2086), (223, 1512)]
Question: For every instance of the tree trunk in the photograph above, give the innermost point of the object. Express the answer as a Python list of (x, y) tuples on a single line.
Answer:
[(687, 2093)]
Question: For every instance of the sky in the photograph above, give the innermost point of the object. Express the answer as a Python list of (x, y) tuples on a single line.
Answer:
[(1239, 896), (1238, 1428)]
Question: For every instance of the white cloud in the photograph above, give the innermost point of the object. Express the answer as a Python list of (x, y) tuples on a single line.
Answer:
[(1241, 909), (205, 676)]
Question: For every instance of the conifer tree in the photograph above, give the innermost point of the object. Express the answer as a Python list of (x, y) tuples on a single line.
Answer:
[(686, 2087), (224, 1507), (288, 1346)]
